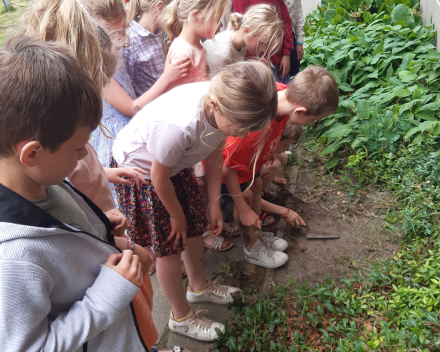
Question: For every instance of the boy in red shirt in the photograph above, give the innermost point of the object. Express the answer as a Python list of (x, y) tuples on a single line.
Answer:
[(311, 96), (281, 60)]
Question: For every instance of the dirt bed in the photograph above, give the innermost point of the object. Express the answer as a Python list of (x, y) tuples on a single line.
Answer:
[(328, 210)]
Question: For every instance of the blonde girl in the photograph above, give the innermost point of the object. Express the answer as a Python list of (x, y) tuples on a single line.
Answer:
[(69, 21), (259, 31), (182, 127), (187, 21)]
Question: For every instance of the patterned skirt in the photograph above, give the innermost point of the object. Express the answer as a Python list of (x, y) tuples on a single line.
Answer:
[(149, 221)]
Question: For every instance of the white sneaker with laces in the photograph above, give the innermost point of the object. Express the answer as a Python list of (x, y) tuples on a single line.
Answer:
[(213, 293), (196, 326), (263, 256), (273, 242)]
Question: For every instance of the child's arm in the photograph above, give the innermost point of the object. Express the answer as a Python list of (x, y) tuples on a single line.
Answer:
[(115, 175), (160, 176), (247, 215), (299, 29), (25, 294), (292, 217), (117, 97), (213, 165)]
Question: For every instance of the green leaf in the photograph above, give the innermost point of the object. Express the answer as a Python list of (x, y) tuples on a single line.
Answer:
[(329, 15), (403, 15), (411, 132), (345, 87), (426, 125), (417, 94), (330, 149), (402, 93), (407, 76), (363, 110), (339, 131), (426, 115)]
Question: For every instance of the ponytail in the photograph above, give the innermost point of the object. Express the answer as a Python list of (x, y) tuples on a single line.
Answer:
[(235, 21), (171, 24)]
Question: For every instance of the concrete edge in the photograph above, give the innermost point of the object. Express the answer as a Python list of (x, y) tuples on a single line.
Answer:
[(282, 231)]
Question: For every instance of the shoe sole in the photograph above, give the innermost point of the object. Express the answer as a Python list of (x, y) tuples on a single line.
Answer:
[(189, 336), (268, 266), (207, 300)]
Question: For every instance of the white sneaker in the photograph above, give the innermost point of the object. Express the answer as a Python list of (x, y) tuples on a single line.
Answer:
[(263, 256), (213, 293), (273, 242), (196, 326)]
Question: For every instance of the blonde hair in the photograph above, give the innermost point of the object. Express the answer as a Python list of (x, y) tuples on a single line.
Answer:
[(316, 89), (246, 94), (136, 8), (66, 21), (107, 10), (262, 20), (179, 11)]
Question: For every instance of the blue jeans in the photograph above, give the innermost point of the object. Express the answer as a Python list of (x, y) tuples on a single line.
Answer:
[(279, 74)]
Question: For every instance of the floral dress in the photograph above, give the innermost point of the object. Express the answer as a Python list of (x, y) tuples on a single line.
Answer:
[(113, 121)]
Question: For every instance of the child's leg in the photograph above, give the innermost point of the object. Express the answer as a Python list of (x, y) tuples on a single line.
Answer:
[(193, 256), (170, 279), (269, 172), (249, 235)]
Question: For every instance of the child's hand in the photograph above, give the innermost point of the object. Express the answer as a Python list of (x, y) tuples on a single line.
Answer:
[(271, 160), (249, 218), (144, 258), (295, 220), (127, 265), (176, 69), (119, 222), (281, 182), (179, 228), (216, 225), (285, 65), (115, 175)]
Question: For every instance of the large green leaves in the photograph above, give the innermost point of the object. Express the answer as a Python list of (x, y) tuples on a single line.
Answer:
[(403, 15)]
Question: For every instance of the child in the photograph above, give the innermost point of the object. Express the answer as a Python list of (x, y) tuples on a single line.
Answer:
[(177, 130), (64, 287), (291, 135), (311, 96), (259, 31), (84, 35), (120, 100), (296, 15), (186, 22), (281, 60)]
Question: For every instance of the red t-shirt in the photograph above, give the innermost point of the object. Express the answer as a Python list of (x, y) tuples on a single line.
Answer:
[(239, 154)]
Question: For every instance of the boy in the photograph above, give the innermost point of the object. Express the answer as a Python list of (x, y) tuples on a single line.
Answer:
[(311, 96), (63, 286)]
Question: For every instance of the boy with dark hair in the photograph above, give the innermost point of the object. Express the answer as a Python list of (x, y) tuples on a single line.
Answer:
[(64, 284), (311, 96)]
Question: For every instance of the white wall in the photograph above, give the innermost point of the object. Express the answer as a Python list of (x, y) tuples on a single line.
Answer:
[(309, 5), (431, 12)]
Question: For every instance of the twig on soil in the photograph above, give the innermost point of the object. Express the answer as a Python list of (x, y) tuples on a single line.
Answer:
[(315, 257), (323, 206)]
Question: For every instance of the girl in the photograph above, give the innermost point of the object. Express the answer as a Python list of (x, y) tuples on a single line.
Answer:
[(69, 22), (120, 102), (186, 22), (177, 130), (259, 31), (281, 59)]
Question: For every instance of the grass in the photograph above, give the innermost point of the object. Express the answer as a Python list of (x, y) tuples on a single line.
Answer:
[(10, 21)]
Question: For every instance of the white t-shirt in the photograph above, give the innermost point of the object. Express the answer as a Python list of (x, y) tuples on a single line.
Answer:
[(171, 129), (222, 53), (199, 70)]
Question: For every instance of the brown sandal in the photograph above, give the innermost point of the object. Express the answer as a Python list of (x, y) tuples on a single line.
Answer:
[(217, 245)]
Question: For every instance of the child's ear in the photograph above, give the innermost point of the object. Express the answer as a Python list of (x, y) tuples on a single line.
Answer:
[(193, 15), (300, 109), (28, 153), (245, 30), (213, 104), (159, 6)]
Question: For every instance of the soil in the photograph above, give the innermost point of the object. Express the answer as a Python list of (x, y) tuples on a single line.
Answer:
[(328, 209)]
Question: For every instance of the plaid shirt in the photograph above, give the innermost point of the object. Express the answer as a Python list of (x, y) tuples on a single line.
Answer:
[(144, 58)]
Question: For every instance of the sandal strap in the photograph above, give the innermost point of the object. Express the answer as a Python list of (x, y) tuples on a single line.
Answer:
[(218, 242)]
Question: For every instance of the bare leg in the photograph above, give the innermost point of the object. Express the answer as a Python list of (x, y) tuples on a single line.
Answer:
[(170, 279), (249, 237), (268, 173), (193, 256)]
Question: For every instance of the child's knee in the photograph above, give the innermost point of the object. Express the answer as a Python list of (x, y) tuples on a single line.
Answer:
[(282, 157), (257, 185)]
